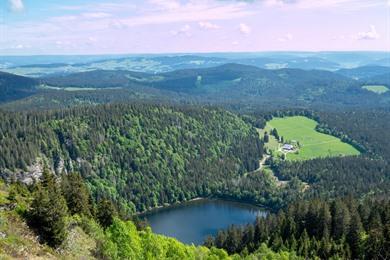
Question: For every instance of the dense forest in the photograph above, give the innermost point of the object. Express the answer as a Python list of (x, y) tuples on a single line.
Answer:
[(14, 87), (225, 84), (323, 224), (343, 228), (187, 152), (138, 156)]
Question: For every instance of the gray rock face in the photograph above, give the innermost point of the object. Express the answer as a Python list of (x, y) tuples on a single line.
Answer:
[(33, 173)]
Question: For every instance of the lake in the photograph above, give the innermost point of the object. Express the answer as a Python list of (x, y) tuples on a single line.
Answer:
[(192, 222)]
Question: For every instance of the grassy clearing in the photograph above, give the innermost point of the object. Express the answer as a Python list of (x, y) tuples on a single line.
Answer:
[(73, 88), (313, 144), (379, 89)]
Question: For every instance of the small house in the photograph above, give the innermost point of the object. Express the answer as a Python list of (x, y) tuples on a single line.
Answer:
[(288, 147)]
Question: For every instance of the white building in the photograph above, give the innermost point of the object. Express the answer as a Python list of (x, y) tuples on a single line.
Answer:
[(288, 147)]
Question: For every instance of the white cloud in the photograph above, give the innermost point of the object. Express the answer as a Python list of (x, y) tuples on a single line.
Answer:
[(208, 26), (372, 34), (96, 15), (166, 4), (286, 38), (245, 29), (92, 39), (64, 18), (16, 5), (318, 4), (235, 43), (192, 12), (185, 30)]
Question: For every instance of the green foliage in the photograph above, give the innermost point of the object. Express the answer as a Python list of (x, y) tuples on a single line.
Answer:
[(140, 156), (123, 241), (76, 194), (15, 87), (316, 229), (378, 89), (313, 144), (106, 213), (48, 211), (266, 253)]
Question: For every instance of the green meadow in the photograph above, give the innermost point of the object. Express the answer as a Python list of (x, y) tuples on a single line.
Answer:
[(379, 89), (312, 143)]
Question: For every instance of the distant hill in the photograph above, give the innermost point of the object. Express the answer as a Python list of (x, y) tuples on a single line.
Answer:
[(229, 82), (364, 72), (15, 87), (98, 79), (382, 79)]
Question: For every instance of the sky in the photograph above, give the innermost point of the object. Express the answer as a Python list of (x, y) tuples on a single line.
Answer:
[(37, 27)]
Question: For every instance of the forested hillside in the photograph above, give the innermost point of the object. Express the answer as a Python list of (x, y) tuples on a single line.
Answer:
[(226, 84), (360, 176), (364, 72), (15, 87), (142, 156), (56, 219), (138, 156), (341, 229)]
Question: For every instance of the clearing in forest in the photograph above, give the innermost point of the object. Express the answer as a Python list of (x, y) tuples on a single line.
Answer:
[(307, 142), (379, 89)]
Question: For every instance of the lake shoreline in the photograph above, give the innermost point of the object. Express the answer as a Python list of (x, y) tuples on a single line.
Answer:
[(197, 199), (191, 222)]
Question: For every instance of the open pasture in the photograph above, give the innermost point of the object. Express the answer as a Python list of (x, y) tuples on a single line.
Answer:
[(312, 143), (379, 89)]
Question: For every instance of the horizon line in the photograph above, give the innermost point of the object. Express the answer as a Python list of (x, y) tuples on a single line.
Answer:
[(188, 53)]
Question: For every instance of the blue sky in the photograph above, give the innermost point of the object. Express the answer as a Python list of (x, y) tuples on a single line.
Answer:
[(158, 26)]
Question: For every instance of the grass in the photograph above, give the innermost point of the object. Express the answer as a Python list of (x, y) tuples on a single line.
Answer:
[(74, 88), (379, 89), (313, 144)]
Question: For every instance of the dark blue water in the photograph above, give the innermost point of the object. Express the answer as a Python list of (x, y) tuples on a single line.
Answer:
[(192, 222)]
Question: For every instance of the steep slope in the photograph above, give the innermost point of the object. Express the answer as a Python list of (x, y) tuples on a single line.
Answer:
[(86, 238), (138, 156)]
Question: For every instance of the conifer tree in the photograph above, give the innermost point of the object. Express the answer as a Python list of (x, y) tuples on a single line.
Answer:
[(48, 211), (76, 194)]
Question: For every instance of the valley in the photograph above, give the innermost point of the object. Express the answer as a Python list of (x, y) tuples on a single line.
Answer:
[(195, 130), (133, 152)]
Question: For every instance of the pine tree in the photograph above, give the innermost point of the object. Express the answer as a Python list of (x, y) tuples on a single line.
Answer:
[(340, 219), (354, 235), (304, 244), (48, 211), (76, 194), (375, 244)]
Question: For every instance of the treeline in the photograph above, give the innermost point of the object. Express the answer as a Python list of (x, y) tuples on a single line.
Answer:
[(368, 127), (367, 175), (139, 156), (340, 176), (322, 126), (343, 228)]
